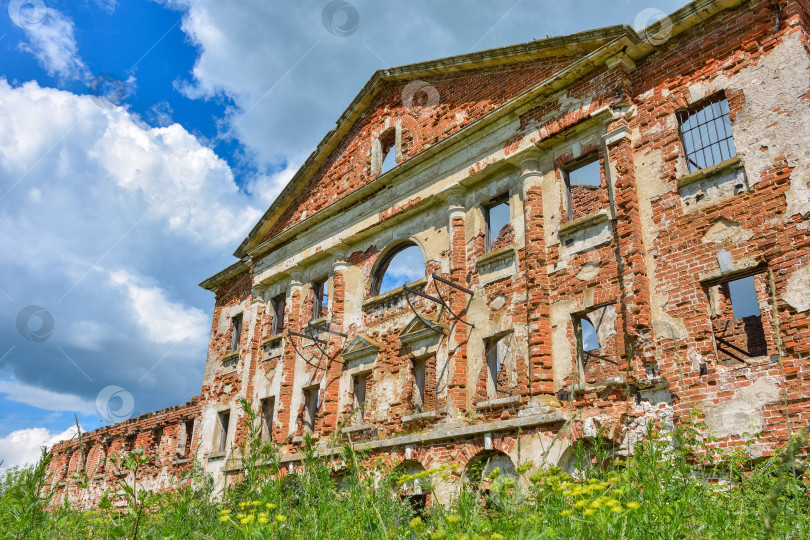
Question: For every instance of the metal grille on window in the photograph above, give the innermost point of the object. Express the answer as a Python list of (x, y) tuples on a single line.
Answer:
[(706, 134)]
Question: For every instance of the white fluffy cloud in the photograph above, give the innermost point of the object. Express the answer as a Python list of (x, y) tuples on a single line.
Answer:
[(23, 447), (53, 44), (44, 399), (290, 78), (108, 224), (163, 320)]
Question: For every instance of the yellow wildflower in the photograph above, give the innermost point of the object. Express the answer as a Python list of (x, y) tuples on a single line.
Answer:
[(225, 518), (224, 512), (618, 491), (589, 511), (617, 509), (615, 479), (263, 520), (438, 535), (633, 505), (566, 512), (452, 519), (596, 504), (581, 503), (270, 506), (255, 503), (281, 519), (496, 536), (242, 504), (240, 516)]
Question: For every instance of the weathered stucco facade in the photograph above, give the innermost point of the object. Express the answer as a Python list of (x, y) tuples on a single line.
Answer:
[(648, 254)]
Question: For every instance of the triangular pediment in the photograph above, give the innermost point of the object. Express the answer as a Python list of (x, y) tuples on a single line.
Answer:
[(418, 328), (360, 346)]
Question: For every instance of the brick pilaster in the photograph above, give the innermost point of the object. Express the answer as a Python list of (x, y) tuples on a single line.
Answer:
[(287, 376), (634, 283), (459, 332), (534, 264)]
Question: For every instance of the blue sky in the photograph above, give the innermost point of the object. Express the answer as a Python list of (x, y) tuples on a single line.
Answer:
[(112, 210)]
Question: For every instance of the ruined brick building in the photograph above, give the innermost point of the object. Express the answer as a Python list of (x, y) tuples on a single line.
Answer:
[(614, 228)]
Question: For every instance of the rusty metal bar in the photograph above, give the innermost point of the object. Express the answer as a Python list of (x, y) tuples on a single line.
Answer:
[(448, 282)]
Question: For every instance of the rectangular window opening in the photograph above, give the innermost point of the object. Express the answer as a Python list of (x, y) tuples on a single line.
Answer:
[(496, 351), (419, 374), (359, 389), (222, 432), (705, 131), (737, 322), (311, 403), (278, 304), (320, 298), (498, 232), (236, 332), (583, 186), (267, 409)]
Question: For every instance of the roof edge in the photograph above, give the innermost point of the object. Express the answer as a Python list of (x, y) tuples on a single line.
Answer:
[(453, 63), (214, 282)]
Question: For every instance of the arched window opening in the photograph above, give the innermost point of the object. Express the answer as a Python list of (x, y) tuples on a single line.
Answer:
[(388, 147), (490, 470), (400, 266)]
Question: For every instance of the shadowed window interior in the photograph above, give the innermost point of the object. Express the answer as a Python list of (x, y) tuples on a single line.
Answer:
[(499, 231), (311, 403), (268, 409), (706, 134), (277, 304), (496, 351), (321, 299), (222, 432), (403, 265), (360, 380), (236, 332)]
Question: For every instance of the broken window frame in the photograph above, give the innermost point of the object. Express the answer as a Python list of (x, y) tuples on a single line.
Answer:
[(580, 351), (487, 208), (223, 425), (718, 146), (320, 298), (267, 410), (580, 163), (278, 304), (236, 332), (729, 278)]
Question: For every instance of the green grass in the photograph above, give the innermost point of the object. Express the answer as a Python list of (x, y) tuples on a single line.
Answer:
[(663, 491)]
